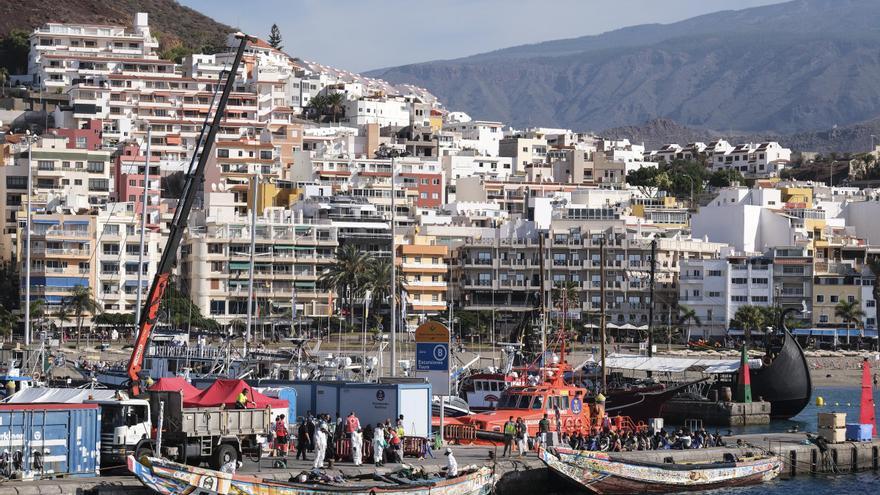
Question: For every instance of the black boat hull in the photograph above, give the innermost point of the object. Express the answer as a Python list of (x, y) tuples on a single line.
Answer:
[(785, 382)]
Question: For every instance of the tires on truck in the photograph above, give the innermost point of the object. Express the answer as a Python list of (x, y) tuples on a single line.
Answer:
[(225, 453)]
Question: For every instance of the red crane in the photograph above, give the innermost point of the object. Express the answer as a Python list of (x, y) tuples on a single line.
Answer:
[(194, 178)]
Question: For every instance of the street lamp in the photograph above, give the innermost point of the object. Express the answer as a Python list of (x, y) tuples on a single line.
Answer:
[(393, 153)]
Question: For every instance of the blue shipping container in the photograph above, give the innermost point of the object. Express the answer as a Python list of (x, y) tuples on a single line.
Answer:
[(53, 439), (859, 433)]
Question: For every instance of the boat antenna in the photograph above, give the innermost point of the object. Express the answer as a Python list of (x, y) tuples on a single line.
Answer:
[(602, 309)]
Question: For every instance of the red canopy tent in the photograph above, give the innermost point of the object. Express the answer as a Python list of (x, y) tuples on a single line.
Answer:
[(176, 384), (224, 392)]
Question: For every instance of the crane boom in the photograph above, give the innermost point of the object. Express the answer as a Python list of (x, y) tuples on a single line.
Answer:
[(194, 179)]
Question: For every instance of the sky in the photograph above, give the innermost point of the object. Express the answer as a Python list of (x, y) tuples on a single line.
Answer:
[(360, 35)]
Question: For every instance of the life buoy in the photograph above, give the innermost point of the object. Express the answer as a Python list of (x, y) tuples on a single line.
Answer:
[(568, 423), (578, 423)]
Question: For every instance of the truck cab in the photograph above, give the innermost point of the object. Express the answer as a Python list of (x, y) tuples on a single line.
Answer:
[(126, 429)]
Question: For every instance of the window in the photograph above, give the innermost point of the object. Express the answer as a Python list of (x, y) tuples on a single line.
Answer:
[(45, 165), (223, 153), (81, 142), (265, 154), (111, 249), (759, 299), (850, 298), (714, 294), (714, 273), (870, 303), (739, 281), (834, 299), (16, 182), (820, 298), (759, 281), (823, 319), (99, 185), (739, 298), (218, 307), (96, 167), (111, 229)]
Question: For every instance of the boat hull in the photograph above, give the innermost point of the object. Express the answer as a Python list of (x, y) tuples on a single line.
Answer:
[(170, 478), (785, 382), (598, 473)]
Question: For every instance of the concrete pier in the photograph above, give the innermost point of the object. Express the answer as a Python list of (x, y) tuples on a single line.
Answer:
[(520, 475)]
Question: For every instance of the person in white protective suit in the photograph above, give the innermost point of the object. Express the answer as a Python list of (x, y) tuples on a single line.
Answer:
[(320, 446), (378, 444), (357, 446)]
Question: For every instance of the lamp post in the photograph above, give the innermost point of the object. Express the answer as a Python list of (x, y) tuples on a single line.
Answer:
[(27, 245), (392, 153)]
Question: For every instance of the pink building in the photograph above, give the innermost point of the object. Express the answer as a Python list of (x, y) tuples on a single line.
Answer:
[(129, 173), (87, 138)]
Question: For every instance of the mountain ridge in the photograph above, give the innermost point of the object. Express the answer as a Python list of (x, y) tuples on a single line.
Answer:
[(760, 70)]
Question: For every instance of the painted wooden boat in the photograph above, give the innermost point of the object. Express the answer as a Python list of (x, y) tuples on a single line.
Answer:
[(170, 478), (598, 472)]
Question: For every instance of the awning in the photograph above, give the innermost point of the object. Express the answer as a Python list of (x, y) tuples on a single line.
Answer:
[(45, 222), (673, 365), (305, 285), (133, 283), (283, 248), (238, 265), (304, 248), (76, 222), (830, 332)]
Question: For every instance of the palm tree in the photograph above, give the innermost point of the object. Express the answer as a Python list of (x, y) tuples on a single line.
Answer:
[(335, 104), (317, 107), (566, 296), (80, 302), (63, 316), (686, 317), (378, 282), (749, 318), (38, 310), (7, 322), (347, 275), (850, 312)]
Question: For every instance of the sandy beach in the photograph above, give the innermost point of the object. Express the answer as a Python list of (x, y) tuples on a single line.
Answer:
[(840, 371)]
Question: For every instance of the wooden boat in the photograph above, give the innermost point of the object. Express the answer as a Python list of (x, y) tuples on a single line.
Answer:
[(599, 472), (170, 478), (784, 380)]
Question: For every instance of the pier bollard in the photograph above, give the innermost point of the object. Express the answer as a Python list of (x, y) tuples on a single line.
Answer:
[(814, 461), (792, 456)]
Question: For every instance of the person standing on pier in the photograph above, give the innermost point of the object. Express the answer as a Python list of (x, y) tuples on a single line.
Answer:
[(357, 446), (543, 430), (378, 444), (303, 439), (281, 438), (509, 432), (320, 446), (522, 437), (352, 424)]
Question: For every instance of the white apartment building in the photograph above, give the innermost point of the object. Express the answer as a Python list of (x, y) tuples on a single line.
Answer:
[(469, 164), (523, 151), (765, 159), (393, 111), (716, 288), (289, 257), (118, 258), (479, 135), (750, 220), (63, 54)]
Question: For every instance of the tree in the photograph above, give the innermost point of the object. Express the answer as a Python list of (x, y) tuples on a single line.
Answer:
[(850, 312), (275, 37), (172, 185), (725, 178), (566, 294), (316, 108), (80, 302), (686, 316), (347, 275), (38, 309), (748, 318), (378, 281), (14, 49), (7, 323), (335, 104), (9, 286), (63, 316)]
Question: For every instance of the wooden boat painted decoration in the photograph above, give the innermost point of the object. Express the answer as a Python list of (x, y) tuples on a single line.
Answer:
[(171, 478), (598, 472)]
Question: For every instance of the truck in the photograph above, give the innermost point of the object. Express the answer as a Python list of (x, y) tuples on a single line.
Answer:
[(195, 435)]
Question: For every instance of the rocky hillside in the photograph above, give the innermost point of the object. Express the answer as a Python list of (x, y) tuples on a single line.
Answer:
[(174, 24), (803, 65)]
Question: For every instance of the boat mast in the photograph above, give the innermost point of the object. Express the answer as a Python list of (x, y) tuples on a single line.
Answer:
[(651, 306), (543, 296), (602, 308), (140, 288)]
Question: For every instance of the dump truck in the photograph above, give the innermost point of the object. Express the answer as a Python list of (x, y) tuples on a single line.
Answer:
[(215, 435)]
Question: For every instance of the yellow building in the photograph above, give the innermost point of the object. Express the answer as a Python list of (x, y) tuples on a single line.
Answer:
[(425, 271), (797, 195), (664, 212)]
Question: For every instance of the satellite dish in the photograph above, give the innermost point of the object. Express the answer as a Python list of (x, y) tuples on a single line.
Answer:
[(214, 186)]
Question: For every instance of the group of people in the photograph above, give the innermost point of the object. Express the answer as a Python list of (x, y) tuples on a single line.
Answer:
[(320, 436), (627, 441)]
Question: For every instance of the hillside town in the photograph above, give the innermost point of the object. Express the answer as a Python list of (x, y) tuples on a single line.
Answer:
[(485, 217), (235, 256)]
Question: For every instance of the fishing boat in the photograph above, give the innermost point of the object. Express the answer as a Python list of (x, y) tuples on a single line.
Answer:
[(170, 478), (600, 472)]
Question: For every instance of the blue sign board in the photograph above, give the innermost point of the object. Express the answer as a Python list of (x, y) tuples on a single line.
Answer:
[(432, 356), (576, 405)]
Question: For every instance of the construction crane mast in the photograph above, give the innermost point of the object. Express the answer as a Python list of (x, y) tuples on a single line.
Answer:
[(194, 178)]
